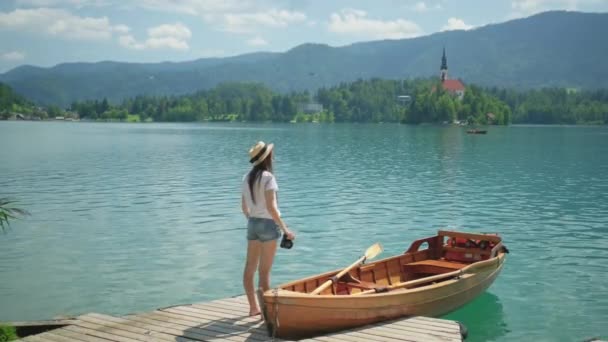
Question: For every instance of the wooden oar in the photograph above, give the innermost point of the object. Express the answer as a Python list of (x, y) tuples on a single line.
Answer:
[(370, 253), (411, 283), (416, 282)]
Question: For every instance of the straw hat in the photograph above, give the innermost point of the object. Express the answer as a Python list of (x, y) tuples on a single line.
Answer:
[(259, 152)]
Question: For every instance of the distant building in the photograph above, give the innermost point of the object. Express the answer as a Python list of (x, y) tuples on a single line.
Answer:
[(454, 87), (309, 108), (490, 117), (404, 99)]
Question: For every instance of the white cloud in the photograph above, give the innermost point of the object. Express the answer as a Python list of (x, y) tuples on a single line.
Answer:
[(528, 7), (129, 41), (56, 3), (178, 31), (257, 41), (193, 7), (60, 23), (456, 24), (236, 16), (13, 56), (251, 22), (421, 6), (122, 29), (356, 22), (165, 36)]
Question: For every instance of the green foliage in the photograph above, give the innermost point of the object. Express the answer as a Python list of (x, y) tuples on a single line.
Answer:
[(376, 101), (226, 102), (9, 212), (12, 102), (54, 111), (372, 100), (556, 106), (7, 333), (133, 118), (320, 117)]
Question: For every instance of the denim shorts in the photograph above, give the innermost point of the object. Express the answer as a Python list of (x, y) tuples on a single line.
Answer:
[(262, 229)]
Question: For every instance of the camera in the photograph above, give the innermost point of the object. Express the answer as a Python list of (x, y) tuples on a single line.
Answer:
[(286, 243)]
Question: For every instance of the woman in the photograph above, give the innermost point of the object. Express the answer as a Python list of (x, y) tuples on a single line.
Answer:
[(264, 226)]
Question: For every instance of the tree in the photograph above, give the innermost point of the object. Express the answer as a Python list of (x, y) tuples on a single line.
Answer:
[(9, 212), (54, 111), (8, 333)]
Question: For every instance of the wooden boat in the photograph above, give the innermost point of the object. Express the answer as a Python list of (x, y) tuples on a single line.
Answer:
[(477, 131), (454, 268)]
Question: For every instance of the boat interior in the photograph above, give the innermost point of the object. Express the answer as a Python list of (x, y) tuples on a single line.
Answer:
[(433, 259)]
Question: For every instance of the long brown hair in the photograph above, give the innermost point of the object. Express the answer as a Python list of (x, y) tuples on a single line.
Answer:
[(256, 173)]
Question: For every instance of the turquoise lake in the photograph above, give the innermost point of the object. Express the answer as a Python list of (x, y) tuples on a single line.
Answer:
[(131, 217)]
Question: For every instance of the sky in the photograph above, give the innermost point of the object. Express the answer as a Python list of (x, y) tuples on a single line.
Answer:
[(48, 32)]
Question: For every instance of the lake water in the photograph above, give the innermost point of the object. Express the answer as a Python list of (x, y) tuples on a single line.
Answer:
[(131, 217)]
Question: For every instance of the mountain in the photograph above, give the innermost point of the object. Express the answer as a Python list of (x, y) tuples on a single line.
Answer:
[(558, 48)]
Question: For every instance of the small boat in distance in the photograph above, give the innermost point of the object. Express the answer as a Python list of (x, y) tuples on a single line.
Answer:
[(476, 131), (453, 269)]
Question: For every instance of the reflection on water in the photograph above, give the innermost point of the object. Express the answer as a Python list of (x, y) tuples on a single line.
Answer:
[(483, 318)]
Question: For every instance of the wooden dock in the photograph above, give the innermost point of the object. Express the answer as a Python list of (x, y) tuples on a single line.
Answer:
[(227, 320)]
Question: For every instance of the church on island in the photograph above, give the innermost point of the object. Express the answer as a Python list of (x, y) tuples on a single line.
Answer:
[(454, 87)]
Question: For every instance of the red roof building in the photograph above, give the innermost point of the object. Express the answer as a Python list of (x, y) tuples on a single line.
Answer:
[(454, 87)]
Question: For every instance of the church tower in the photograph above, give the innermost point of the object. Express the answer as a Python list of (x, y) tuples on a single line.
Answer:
[(444, 67)]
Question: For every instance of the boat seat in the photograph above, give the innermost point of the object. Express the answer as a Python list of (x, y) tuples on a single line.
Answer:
[(439, 263), (350, 282), (362, 285), (431, 267)]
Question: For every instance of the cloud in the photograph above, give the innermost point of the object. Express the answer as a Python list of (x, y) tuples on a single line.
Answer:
[(13, 56), (236, 16), (251, 22), (456, 24), (527, 7), (60, 23), (192, 7), (421, 6), (257, 41), (167, 36), (60, 3), (356, 22)]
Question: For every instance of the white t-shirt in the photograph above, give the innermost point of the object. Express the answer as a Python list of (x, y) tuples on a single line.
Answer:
[(266, 182)]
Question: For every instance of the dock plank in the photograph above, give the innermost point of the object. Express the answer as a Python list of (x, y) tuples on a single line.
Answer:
[(213, 315), (411, 336), (104, 335), (210, 328), (113, 333), (36, 338), (123, 328), (237, 324), (165, 321), (227, 319), (74, 336)]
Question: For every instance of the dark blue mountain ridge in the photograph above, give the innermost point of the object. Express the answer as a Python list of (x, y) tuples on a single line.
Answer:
[(550, 49)]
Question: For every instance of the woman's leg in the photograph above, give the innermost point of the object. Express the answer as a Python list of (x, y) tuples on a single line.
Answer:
[(254, 248), (268, 250)]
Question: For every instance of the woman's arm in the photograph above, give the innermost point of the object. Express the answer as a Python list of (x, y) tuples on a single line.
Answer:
[(244, 207), (271, 206)]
